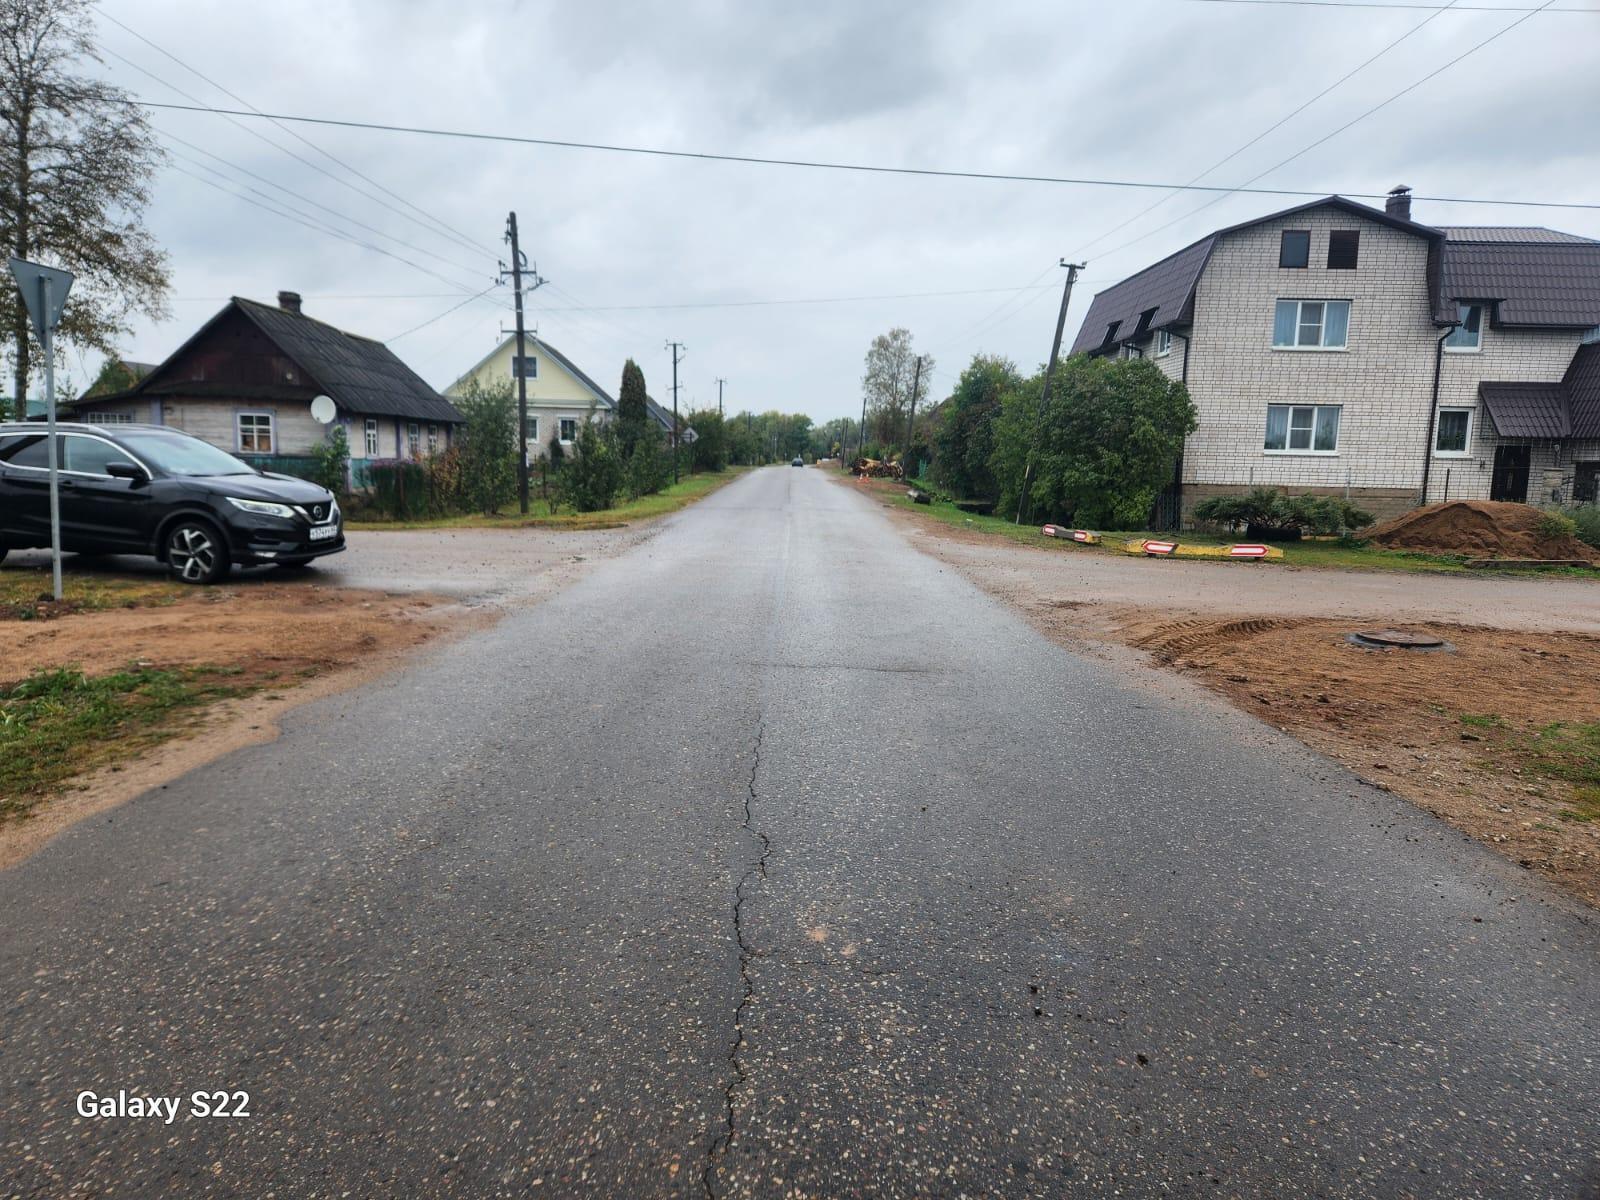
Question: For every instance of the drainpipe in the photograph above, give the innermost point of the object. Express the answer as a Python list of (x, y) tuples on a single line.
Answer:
[(1433, 410)]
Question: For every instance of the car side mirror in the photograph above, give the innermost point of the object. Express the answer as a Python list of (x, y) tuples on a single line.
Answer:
[(123, 470)]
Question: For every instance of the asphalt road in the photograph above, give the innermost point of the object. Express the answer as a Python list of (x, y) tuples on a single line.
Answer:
[(772, 858)]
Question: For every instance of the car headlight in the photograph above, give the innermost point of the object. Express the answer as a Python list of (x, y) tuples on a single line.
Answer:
[(261, 507)]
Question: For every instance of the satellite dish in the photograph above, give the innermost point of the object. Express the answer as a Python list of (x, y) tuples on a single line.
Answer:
[(323, 410)]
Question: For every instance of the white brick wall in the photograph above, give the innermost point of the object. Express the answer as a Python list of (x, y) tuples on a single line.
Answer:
[(1383, 381)]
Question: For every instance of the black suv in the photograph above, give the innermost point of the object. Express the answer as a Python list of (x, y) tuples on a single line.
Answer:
[(146, 489)]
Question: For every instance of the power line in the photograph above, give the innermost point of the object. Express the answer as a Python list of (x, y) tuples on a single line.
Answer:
[(444, 314), (1273, 128), (823, 165), (314, 203), (447, 230), (1460, 8), (313, 225), (1353, 121)]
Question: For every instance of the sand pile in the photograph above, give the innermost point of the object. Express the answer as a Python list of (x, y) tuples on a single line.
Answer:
[(1478, 529)]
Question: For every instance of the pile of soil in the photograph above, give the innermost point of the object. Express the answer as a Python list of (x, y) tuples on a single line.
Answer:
[(1478, 529)]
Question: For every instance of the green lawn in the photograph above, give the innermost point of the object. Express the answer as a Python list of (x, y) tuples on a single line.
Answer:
[(57, 724), (671, 498), (1321, 552)]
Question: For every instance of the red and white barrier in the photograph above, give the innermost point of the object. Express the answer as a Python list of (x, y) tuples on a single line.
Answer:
[(1158, 549), (1247, 550)]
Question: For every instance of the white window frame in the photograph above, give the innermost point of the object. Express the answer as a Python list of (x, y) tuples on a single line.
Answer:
[(433, 439), (561, 428), (1322, 327), (1438, 430), (108, 418), (530, 431), (238, 431), (413, 440), (1163, 343), (1461, 311), (369, 437), (532, 359), (1316, 417)]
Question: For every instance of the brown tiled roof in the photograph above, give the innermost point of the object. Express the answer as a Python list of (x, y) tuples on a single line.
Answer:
[(1510, 233), (1570, 408), (1538, 284)]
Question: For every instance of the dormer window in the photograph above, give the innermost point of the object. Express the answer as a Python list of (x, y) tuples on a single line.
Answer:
[(1467, 336), (1111, 333)]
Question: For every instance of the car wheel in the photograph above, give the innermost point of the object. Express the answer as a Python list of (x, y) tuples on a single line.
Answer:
[(196, 552)]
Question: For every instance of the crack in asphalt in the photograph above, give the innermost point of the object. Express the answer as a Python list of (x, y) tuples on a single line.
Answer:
[(738, 1077)]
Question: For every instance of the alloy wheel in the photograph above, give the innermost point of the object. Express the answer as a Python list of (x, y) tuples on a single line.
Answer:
[(192, 553)]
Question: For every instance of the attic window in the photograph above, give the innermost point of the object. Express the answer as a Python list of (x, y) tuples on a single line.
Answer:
[(1145, 318), (1295, 249), (1111, 332), (528, 364), (1343, 246)]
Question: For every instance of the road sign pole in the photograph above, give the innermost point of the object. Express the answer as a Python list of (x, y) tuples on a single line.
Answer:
[(47, 341)]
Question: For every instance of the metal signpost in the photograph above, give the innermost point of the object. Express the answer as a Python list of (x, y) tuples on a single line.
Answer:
[(44, 291)]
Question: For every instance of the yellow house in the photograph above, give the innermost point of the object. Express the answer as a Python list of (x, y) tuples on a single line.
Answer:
[(560, 395)]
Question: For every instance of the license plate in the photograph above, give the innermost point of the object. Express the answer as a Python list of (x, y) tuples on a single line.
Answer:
[(324, 532)]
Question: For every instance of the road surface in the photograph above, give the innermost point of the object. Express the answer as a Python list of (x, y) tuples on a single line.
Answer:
[(771, 858)]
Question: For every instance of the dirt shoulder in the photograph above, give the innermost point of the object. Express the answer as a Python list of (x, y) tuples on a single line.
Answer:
[(1500, 737)]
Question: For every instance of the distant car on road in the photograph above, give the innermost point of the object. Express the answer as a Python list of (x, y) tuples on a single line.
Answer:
[(147, 489), (798, 461)]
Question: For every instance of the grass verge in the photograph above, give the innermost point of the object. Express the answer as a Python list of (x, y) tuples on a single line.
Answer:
[(671, 498), (25, 593), (1334, 553), (61, 723), (1567, 751)]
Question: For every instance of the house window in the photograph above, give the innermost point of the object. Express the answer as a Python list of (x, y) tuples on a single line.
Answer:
[(1468, 335), (1344, 246), (1163, 342), (1311, 325), (1111, 332), (433, 439), (413, 440), (530, 431), (372, 437), (1302, 429), (255, 433), (1455, 431), (526, 367), (569, 430), (108, 418), (1295, 249)]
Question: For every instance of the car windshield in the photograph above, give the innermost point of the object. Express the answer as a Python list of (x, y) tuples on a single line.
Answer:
[(184, 455)]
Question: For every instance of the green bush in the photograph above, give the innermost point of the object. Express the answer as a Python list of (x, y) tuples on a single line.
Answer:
[(489, 446), (591, 479), (332, 457), (1553, 523), (649, 466), (1586, 523), (399, 490), (1267, 513)]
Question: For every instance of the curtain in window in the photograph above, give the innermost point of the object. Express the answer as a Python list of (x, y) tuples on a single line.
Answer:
[(1277, 427), (1327, 437), (1336, 328), (1283, 323)]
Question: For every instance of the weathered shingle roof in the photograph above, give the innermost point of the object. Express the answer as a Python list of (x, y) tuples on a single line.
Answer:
[(1570, 408), (360, 374), (1537, 284)]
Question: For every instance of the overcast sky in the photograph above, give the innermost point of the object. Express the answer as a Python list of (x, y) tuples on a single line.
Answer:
[(1140, 90)]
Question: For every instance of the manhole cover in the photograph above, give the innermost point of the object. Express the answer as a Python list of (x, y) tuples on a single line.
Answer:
[(1397, 639)]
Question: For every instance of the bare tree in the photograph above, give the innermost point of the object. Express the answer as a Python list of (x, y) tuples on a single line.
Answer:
[(76, 161), (886, 386)]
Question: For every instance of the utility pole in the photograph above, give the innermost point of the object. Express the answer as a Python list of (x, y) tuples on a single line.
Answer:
[(720, 382), (911, 421), (1049, 374), (861, 434), (518, 264), (677, 358)]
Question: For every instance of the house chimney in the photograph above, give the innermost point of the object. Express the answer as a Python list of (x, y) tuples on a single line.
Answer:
[(1399, 203), (289, 301)]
